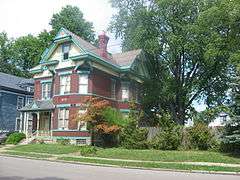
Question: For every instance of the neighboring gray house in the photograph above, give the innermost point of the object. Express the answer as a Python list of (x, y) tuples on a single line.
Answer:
[(15, 92)]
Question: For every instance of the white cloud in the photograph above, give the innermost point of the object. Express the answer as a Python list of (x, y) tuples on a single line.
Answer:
[(22, 17)]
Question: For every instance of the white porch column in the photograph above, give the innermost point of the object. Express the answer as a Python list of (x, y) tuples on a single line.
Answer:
[(51, 119), (26, 125), (21, 122), (24, 122), (38, 122)]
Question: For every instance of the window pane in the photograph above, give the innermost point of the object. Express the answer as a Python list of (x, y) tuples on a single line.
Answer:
[(65, 84), (83, 79), (20, 102), (65, 48), (83, 89), (125, 91), (83, 84)]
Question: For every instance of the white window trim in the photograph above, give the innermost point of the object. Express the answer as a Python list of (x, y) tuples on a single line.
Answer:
[(68, 52), (22, 99), (65, 86), (44, 97), (127, 85), (28, 99), (65, 126), (83, 84)]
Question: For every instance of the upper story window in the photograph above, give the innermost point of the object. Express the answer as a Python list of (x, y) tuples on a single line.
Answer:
[(65, 50), (20, 102), (83, 83), (63, 118), (65, 82), (113, 88), (46, 90), (30, 89), (29, 100), (125, 91)]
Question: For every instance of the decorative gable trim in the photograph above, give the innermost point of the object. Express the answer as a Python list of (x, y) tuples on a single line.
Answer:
[(64, 73)]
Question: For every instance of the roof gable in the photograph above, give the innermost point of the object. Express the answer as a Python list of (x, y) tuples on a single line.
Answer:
[(118, 62)]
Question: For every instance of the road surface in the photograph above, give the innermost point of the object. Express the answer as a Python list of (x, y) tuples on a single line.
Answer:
[(26, 169)]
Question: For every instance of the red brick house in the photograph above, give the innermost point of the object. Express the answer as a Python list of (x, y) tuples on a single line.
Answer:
[(71, 71)]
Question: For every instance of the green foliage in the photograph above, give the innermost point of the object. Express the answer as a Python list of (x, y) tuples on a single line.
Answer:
[(231, 136), (114, 117), (71, 18), (230, 140), (15, 138), (88, 150), (210, 114), (133, 137), (201, 137), (190, 42), (168, 138), (63, 141)]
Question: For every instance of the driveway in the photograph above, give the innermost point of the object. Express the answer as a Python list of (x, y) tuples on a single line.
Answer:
[(26, 169)]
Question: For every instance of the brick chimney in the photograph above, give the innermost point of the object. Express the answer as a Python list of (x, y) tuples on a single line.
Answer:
[(103, 41)]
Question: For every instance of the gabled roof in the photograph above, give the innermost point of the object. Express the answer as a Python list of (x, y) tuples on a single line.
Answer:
[(14, 82), (39, 106), (119, 60)]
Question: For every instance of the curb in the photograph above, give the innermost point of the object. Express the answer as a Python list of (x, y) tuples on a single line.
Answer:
[(126, 167)]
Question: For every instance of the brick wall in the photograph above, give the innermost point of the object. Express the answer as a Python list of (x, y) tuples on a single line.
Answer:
[(74, 82), (71, 133), (37, 90), (101, 83)]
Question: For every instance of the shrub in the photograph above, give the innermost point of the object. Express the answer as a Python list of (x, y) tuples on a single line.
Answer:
[(88, 150), (133, 137), (230, 141), (63, 141), (114, 117), (201, 137), (15, 138), (169, 138)]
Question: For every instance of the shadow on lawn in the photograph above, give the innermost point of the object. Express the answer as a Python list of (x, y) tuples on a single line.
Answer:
[(22, 178), (234, 155)]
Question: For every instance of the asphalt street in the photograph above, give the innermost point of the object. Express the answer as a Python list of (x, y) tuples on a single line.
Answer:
[(26, 169)]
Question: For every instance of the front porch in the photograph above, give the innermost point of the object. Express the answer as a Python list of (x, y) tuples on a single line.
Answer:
[(37, 119)]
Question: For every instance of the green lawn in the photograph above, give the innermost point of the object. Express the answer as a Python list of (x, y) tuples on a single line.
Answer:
[(27, 154), (153, 165), (148, 155), (167, 156), (47, 148)]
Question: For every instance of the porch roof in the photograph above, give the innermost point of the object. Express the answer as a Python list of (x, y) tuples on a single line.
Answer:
[(37, 105)]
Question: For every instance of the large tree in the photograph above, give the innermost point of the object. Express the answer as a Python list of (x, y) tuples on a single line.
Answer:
[(188, 44), (6, 62), (71, 17)]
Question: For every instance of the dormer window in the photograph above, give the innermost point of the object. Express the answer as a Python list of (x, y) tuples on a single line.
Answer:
[(65, 50)]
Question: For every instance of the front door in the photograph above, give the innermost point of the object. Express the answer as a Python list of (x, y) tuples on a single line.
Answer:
[(44, 121)]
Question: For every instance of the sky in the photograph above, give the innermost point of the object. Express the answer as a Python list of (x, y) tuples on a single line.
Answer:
[(22, 17)]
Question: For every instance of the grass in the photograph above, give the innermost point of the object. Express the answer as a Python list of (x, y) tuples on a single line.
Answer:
[(47, 148), (153, 165), (147, 155), (27, 154), (167, 156)]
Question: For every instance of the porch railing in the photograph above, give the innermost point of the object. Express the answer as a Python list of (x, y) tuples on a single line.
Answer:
[(42, 133)]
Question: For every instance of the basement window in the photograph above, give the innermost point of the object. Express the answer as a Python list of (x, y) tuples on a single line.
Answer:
[(81, 141)]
